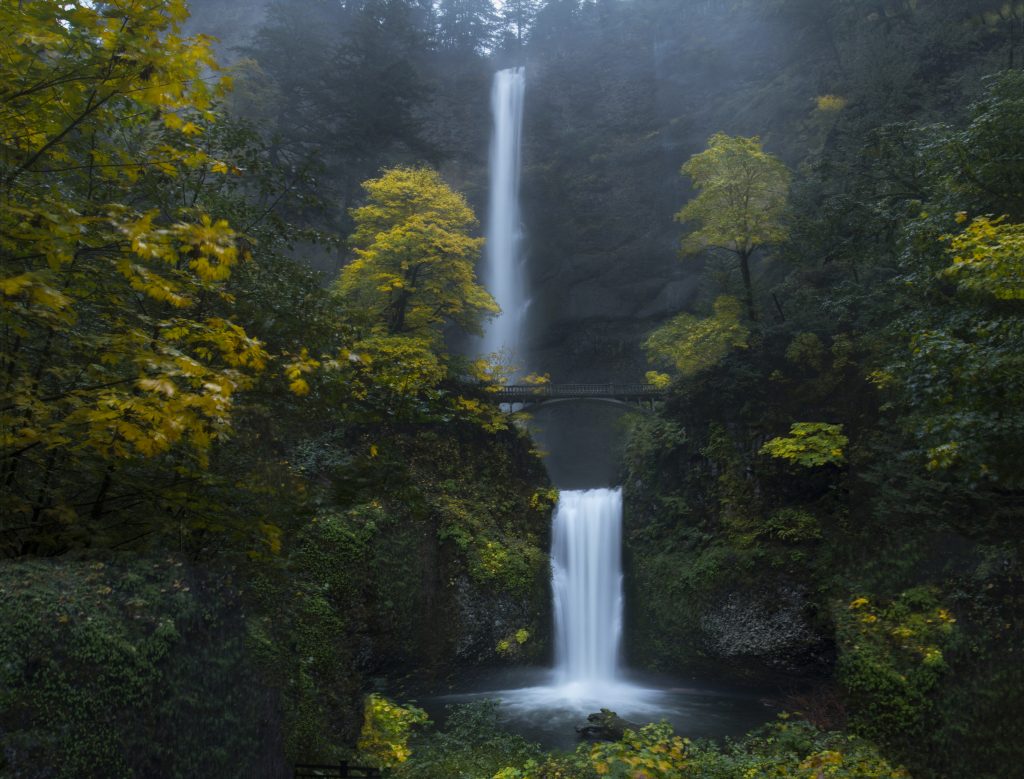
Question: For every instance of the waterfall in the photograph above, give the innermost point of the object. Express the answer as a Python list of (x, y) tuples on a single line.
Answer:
[(586, 564), (503, 272)]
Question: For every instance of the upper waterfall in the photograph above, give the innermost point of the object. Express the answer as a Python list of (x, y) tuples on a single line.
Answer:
[(503, 272)]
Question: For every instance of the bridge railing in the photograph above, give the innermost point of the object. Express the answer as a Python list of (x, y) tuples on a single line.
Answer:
[(527, 393)]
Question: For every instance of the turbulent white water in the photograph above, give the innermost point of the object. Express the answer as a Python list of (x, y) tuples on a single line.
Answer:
[(587, 583), (549, 705), (586, 569), (503, 272)]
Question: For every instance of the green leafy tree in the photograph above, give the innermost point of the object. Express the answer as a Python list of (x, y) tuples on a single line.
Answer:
[(953, 366), (466, 25), (517, 17), (338, 89), (988, 173), (988, 258), (741, 202), (387, 727), (810, 444)]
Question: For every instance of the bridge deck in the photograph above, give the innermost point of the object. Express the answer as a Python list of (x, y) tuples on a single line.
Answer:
[(539, 393)]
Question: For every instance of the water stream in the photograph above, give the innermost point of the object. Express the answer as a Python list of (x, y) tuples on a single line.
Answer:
[(503, 270), (546, 705), (586, 551), (586, 571)]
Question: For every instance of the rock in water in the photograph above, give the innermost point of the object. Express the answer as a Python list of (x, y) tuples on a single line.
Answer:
[(605, 725)]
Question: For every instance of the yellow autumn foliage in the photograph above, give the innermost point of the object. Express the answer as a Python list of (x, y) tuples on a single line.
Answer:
[(112, 351)]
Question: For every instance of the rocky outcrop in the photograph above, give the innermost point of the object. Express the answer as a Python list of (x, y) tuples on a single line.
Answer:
[(605, 725), (496, 625), (770, 629)]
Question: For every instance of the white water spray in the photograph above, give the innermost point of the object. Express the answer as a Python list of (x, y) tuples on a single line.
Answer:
[(503, 272), (586, 564), (586, 571)]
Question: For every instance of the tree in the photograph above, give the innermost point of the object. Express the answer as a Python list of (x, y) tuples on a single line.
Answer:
[(741, 202), (466, 25), (690, 344), (989, 167), (517, 17), (414, 268), (339, 90), (120, 354), (556, 19), (952, 366)]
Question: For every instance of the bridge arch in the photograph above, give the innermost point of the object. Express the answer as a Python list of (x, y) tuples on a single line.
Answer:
[(632, 396)]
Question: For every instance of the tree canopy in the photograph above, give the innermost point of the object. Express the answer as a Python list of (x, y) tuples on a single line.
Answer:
[(741, 202), (118, 342), (414, 269)]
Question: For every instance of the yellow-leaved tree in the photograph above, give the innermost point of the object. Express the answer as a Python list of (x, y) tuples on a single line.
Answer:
[(414, 270), (690, 344), (115, 345), (740, 205), (413, 276)]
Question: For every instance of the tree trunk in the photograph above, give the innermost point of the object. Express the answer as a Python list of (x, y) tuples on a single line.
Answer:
[(396, 316), (101, 496), (747, 285)]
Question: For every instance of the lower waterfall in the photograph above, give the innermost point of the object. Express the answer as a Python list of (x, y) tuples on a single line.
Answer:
[(547, 705), (586, 570)]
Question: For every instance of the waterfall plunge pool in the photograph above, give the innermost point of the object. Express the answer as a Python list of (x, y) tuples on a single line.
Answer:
[(537, 705)]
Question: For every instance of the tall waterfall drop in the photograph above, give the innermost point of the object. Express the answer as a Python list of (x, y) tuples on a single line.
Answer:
[(503, 272), (586, 544), (586, 567)]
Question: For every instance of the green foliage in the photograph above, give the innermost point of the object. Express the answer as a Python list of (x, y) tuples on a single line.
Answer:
[(361, 113), (118, 346), (301, 606), (653, 750), (790, 748), (742, 196), (471, 744), (888, 274), (892, 661), (510, 646), (136, 319), (741, 204), (988, 167), (412, 278), (954, 381), (737, 501), (466, 25), (689, 344), (793, 526), (988, 258), (345, 599), (498, 530), (810, 444), (120, 666), (387, 728), (793, 748)]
